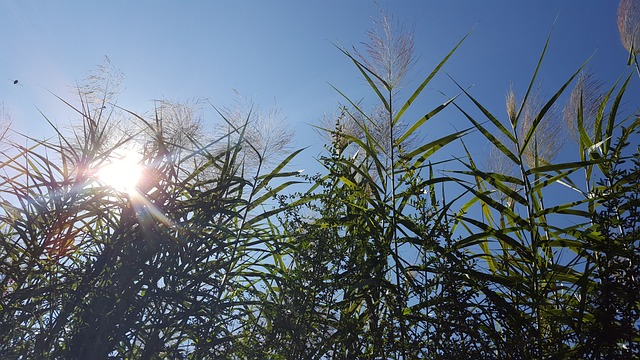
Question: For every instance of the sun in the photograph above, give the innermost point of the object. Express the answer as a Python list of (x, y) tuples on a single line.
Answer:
[(122, 172)]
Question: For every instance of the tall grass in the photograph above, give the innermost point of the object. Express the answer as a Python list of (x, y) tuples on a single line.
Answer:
[(88, 272), (386, 253)]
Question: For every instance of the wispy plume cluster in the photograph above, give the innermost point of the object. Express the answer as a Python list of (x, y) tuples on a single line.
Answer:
[(179, 123), (5, 122), (548, 134), (586, 95), (389, 51), (265, 134), (629, 25)]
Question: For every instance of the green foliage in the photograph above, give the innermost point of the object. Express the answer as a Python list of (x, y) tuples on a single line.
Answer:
[(88, 272), (215, 256), (538, 265), (615, 299)]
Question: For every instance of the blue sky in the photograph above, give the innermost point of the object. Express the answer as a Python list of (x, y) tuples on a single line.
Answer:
[(284, 51)]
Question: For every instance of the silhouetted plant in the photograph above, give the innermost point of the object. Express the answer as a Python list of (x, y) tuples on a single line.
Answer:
[(611, 331), (211, 255), (91, 272), (534, 272)]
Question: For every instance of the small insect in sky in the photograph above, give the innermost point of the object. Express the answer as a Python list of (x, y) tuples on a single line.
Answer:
[(15, 82)]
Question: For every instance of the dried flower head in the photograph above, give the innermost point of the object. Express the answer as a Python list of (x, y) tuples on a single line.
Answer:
[(5, 124), (629, 25), (511, 106), (389, 52), (102, 86), (179, 123), (586, 94), (98, 128), (548, 136), (265, 134)]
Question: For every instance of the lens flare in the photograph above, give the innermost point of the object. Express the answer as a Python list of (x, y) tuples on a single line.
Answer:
[(122, 173)]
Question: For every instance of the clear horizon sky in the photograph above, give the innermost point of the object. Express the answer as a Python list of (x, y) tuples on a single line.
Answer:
[(284, 52)]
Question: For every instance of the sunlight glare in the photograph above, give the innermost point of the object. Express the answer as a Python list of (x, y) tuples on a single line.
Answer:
[(122, 173)]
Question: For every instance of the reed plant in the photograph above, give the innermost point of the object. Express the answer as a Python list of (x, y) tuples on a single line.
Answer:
[(398, 248), (92, 272), (538, 253)]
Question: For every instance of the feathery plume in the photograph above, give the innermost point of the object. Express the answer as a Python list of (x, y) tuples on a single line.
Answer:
[(390, 52), (511, 106), (629, 25), (586, 93), (548, 136)]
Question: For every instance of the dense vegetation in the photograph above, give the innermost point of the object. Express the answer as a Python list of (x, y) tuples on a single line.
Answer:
[(394, 250)]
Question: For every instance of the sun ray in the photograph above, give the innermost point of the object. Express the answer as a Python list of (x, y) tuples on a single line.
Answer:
[(122, 172)]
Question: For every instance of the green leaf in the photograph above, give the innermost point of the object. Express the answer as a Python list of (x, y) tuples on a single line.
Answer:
[(426, 150), (365, 72), (612, 115), (422, 120), (540, 116), (424, 83)]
